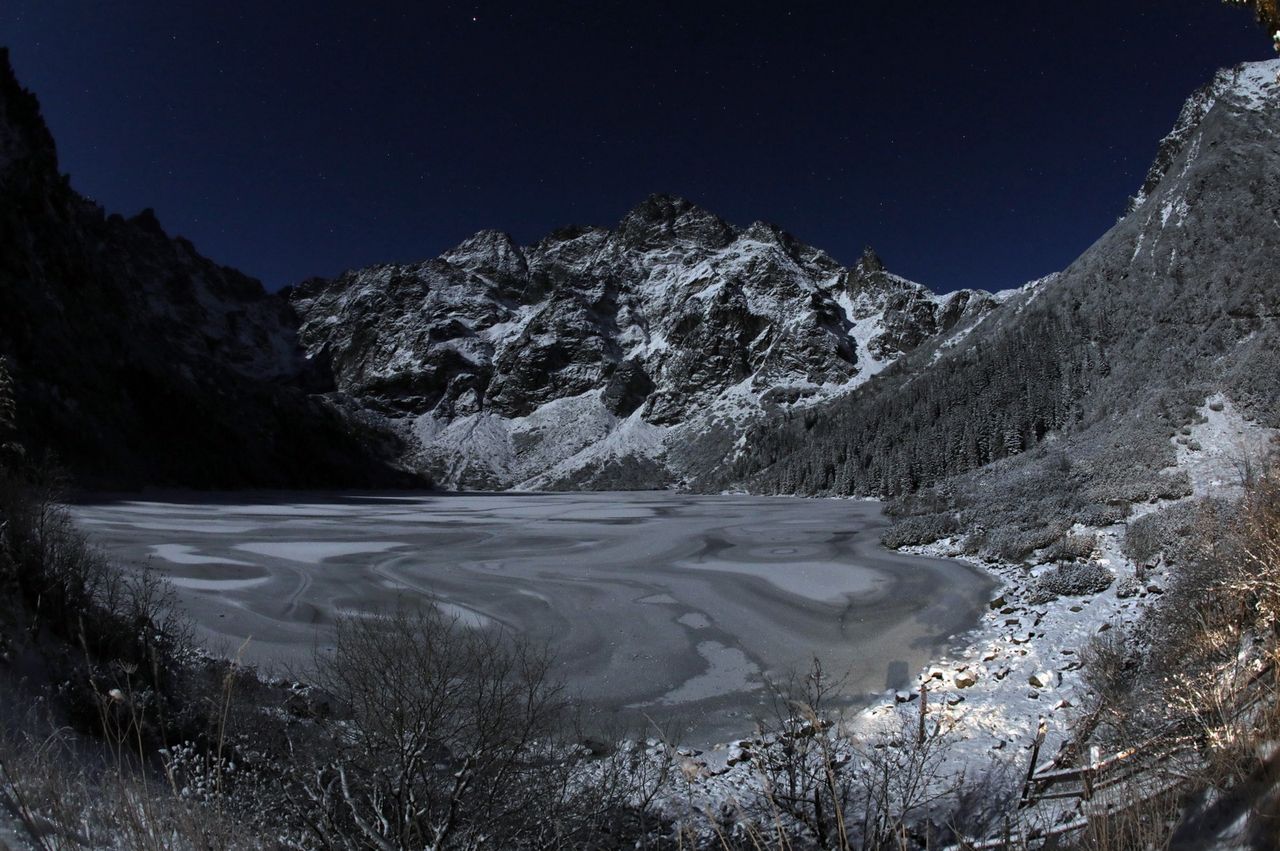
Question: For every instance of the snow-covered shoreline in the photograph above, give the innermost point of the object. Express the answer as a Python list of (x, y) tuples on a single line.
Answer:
[(1020, 666), (1020, 670)]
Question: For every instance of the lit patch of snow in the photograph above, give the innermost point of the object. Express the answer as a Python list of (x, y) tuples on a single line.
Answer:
[(1171, 208), (709, 291), (1030, 290), (187, 554), (1193, 153), (1001, 707), (736, 402), (476, 442), (956, 338), (1255, 82), (501, 333), (656, 342), (728, 670), (633, 437), (1219, 450), (315, 552), (193, 584)]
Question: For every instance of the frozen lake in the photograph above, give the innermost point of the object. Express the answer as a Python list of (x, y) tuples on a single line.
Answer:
[(671, 606)]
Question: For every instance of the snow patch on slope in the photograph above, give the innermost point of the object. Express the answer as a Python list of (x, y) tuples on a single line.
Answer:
[(1217, 452)]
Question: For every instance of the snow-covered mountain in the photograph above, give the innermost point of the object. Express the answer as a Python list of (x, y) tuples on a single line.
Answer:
[(579, 360), (671, 349)]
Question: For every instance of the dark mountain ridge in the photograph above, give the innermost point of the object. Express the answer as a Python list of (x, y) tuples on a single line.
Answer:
[(138, 361)]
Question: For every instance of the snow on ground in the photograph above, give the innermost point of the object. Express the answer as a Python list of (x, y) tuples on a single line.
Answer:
[(1256, 82), (632, 437), (314, 552), (1217, 453), (1022, 666), (1023, 663)]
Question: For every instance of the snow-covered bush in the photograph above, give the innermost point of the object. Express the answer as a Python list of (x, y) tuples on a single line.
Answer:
[(1013, 544), (1072, 548), (1098, 514), (1168, 530), (914, 531), (1071, 579)]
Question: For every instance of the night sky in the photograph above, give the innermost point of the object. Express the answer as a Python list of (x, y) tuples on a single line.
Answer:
[(973, 144)]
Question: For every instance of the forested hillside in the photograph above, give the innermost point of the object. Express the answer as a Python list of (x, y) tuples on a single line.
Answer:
[(1092, 369)]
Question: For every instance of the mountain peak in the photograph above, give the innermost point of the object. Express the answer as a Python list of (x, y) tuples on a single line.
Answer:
[(491, 249), (147, 220), (663, 217), (487, 240), (1252, 85), (1255, 82), (23, 133), (869, 261), (660, 206)]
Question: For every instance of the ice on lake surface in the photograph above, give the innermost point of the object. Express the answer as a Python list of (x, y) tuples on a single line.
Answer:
[(668, 606)]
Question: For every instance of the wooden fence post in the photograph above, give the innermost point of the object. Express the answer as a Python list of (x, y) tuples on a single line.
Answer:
[(924, 709), (1041, 729)]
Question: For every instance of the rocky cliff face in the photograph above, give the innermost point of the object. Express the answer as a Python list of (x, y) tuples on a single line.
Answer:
[(577, 361), (136, 360)]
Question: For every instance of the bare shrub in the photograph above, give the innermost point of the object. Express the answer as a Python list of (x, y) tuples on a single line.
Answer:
[(902, 777), (802, 757), (825, 788), (1147, 821), (449, 738), (92, 621)]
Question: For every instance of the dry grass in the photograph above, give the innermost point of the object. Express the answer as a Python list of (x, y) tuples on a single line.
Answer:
[(71, 792)]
